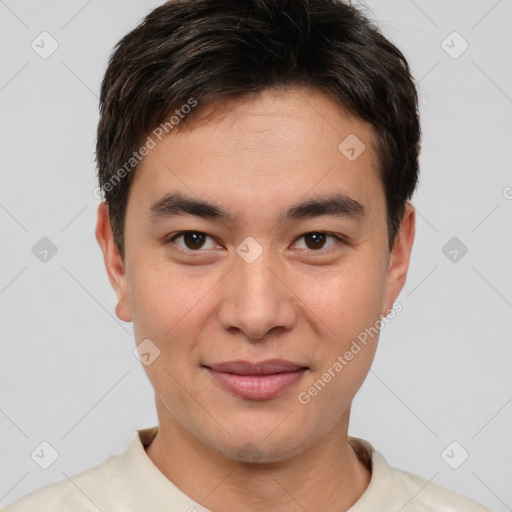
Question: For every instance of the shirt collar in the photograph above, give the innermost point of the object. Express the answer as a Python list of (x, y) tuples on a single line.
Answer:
[(155, 488)]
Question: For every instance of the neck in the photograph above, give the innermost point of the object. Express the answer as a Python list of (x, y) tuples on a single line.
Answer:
[(326, 476)]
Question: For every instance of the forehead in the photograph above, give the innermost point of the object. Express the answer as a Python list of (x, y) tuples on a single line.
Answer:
[(264, 150)]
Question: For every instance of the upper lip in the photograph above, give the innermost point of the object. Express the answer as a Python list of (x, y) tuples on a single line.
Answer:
[(267, 367)]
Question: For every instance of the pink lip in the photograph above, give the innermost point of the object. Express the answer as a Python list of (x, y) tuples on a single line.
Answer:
[(257, 381)]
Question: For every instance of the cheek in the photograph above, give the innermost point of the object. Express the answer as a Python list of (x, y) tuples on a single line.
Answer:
[(347, 299), (166, 302), (172, 309), (349, 305)]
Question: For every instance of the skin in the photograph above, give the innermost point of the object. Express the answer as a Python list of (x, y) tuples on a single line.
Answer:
[(256, 158)]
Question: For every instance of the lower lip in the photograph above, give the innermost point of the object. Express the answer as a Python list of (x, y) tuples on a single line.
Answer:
[(257, 387)]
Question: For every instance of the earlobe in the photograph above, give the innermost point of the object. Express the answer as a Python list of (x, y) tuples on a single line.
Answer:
[(400, 257), (114, 264)]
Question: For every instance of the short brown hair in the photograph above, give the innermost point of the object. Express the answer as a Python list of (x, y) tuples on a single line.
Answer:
[(212, 50)]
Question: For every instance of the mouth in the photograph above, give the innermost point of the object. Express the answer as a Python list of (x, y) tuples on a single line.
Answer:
[(257, 381)]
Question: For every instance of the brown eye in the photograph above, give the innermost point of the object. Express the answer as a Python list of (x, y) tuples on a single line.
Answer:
[(194, 240), (316, 240), (191, 240)]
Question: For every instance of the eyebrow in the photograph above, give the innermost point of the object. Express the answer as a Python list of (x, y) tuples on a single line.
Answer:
[(176, 204)]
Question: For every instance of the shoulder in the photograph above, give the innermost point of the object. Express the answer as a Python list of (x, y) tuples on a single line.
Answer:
[(425, 495), (117, 483), (394, 489), (88, 491), (79, 493)]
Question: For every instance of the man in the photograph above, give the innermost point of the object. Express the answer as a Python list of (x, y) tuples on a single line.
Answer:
[(257, 159)]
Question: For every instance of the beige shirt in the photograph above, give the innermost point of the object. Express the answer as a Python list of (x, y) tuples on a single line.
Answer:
[(131, 482)]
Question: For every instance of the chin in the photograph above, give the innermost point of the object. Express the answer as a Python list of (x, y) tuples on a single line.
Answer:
[(263, 452), (263, 442)]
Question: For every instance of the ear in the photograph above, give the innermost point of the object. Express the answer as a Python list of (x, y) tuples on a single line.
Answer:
[(399, 258), (113, 262)]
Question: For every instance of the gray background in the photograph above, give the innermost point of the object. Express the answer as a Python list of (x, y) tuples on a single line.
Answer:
[(442, 372)]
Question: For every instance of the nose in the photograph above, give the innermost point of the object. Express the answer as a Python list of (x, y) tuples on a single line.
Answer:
[(257, 299)]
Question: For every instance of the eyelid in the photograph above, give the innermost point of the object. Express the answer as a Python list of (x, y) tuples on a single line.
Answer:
[(171, 240), (339, 239)]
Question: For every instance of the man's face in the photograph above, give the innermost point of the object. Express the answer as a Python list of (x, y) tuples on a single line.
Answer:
[(260, 284)]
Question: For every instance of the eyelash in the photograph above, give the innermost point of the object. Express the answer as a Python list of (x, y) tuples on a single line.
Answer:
[(170, 240)]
